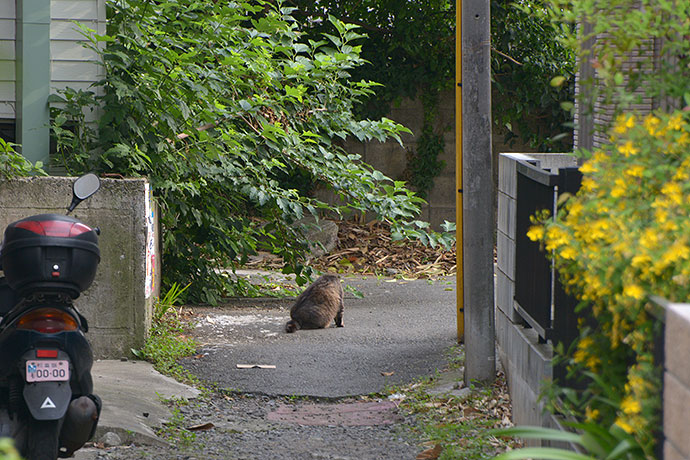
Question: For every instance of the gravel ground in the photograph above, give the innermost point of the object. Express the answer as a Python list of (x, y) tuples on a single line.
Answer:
[(241, 430)]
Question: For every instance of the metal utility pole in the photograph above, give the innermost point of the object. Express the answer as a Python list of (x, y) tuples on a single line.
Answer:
[(477, 192)]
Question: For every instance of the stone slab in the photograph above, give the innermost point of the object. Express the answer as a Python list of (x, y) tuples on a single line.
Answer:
[(133, 395), (344, 414)]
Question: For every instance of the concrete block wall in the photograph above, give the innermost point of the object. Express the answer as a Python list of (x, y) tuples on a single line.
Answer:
[(526, 362), (118, 305), (676, 398)]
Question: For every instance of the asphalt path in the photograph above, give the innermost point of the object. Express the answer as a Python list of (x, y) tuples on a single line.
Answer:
[(399, 331)]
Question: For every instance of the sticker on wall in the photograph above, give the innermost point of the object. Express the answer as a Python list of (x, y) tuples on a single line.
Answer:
[(150, 242)]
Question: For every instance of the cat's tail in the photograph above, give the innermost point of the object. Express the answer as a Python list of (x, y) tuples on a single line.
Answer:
[(292, 326)]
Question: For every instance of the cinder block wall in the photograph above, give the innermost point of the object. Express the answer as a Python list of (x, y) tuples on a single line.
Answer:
[(526, 362), (119, 303), (676, 399)]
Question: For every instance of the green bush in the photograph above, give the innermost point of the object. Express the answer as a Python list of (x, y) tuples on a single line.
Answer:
[(623, 236), (12, 164), (7, 450), (216, 103)]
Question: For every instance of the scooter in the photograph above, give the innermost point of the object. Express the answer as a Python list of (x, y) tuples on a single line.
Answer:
[(47, 403)]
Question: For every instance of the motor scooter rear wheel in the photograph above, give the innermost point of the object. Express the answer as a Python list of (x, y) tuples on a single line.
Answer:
[(42, 440)]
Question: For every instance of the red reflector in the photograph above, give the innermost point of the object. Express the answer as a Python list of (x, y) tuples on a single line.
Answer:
[(54, 227), (46, 353), (47, 321)]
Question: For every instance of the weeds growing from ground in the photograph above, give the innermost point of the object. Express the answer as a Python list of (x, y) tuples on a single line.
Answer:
[(455, 427), (174, 429), (167, 340)]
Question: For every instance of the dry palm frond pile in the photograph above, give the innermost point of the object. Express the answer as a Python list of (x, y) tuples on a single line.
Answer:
[(367, 248)]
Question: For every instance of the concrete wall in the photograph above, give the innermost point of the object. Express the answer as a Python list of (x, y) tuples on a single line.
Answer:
[(676, 399), (526, 362), (119, 303)]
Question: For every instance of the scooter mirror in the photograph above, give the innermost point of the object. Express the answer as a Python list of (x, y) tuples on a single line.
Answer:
[(84, 187)]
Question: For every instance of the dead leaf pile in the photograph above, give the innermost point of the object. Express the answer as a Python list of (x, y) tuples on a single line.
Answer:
[(369, 249)]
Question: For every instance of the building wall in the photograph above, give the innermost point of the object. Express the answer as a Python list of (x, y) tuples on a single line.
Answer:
[(70, 61), (70, 64), (8, 14), (594, 115)]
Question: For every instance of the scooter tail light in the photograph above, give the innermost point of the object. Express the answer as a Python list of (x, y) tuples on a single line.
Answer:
[(47, 321), (64, 229)]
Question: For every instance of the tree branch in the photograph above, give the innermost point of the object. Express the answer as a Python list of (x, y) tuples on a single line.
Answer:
[(506, 56)]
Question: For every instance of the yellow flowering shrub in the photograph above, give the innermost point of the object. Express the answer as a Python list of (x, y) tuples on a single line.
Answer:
[(623, 237)]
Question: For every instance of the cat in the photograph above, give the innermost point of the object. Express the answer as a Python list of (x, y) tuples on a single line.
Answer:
[(318, 305)]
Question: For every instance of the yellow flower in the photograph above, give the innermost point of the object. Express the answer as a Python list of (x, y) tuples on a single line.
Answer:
[(602, 208), (585, 343), (649, 239), (620, 188), (640, 260), (628, 149), (681, 174), (568, 253), (593, 362), (661, 215), (623, 123), (675, 122), (575, 209), (678, 250), (684, 139), (588, 184), (591, 414), (634, 291), (555, 238), (580, 356), (631, 406), (626, 427), (673, 191), (635, 171), (651, 123), (588, 168), (535, 233)]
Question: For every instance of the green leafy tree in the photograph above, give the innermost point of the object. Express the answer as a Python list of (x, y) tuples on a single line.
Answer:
[(410, 49), (218, 103)]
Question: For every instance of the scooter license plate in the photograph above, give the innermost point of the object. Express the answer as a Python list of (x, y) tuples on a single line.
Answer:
[(53, 370)]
